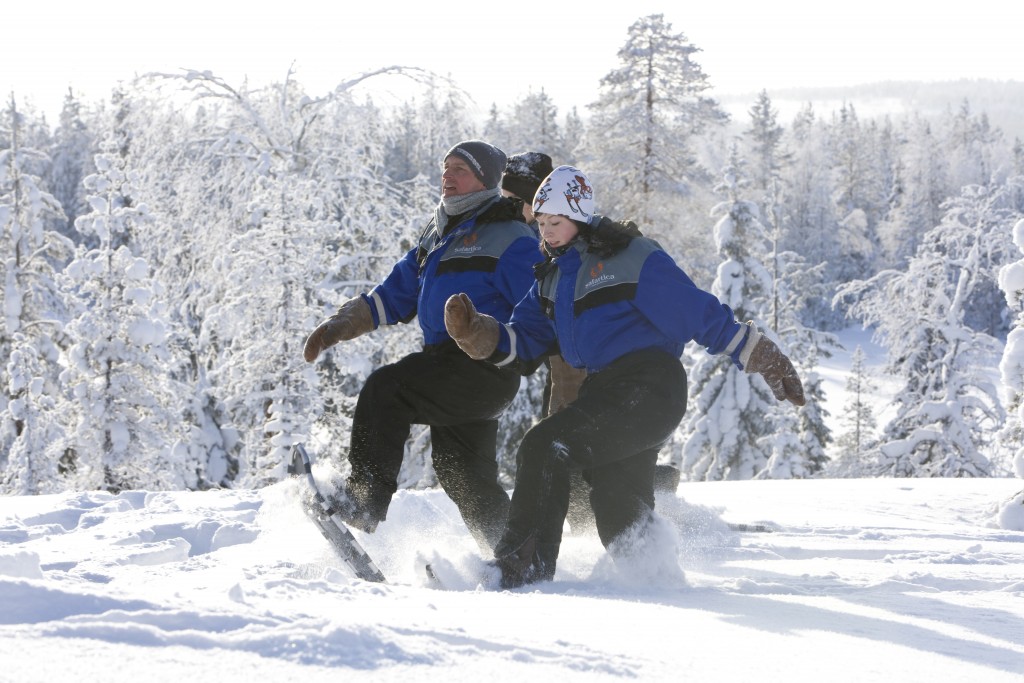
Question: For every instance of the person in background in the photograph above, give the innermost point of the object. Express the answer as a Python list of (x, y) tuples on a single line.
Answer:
[(523, 175), (521, 178), (616, 304), (476, 242)]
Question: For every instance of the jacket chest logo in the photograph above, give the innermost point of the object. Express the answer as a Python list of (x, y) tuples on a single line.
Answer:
[(467, 245), (598, 276)]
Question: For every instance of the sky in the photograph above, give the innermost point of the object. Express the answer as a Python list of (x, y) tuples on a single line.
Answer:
[(498, 52), (908, 580)]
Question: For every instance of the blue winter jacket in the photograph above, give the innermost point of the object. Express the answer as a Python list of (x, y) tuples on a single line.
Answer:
[(488, 255), (596, 310)]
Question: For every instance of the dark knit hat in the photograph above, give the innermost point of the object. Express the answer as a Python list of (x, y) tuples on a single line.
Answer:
[(524, 172), (486, 160)]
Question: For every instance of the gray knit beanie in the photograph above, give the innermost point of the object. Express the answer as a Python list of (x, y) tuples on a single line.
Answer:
[(486, 160)]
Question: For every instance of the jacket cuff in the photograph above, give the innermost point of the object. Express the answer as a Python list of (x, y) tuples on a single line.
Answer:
[(376, 308), (505, 352), (748, 346)]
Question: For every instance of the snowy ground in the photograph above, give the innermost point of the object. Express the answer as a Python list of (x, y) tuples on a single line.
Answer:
[(864, 580)]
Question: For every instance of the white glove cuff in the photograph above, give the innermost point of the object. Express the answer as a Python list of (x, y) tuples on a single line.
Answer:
[(753, 337)]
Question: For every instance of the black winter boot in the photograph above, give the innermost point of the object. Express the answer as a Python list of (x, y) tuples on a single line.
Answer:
[(666, 478), (531, 562), (354, 507)]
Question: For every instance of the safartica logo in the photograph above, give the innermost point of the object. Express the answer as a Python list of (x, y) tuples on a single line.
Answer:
[(597, 276), (468, 245)]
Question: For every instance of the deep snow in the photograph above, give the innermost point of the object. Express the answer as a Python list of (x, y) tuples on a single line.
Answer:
[(862, 580), (896, 580)]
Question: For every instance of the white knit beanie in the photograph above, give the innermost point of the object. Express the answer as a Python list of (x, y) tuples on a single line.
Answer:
[(566, 192)]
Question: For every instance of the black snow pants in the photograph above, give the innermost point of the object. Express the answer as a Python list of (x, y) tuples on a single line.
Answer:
[(460, 399), (612, 432)]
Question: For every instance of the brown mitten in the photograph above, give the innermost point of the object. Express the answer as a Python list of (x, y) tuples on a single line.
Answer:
[(565, 383), (761, 355), (351, 320), (475, 333)]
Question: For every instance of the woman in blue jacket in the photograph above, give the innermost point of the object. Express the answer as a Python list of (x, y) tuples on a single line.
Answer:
[(478, 243), (614, 303)]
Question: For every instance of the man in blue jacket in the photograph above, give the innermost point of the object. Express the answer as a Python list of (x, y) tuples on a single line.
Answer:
[(476, 243)]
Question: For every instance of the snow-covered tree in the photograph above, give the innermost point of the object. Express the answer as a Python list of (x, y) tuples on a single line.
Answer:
[(641, 138), (572, 136), (263, 375), (420, 134), (947, 408), (423, 129), (32, 429), (534, 126), (765, 137), (1011, 367), (725, 434), (126, 410), (918, 190), (496, 131), (799, 439), (289, 192), (970, 147), (858, 417), (72, 155), (31, 254), (810, 213), (852, 193)]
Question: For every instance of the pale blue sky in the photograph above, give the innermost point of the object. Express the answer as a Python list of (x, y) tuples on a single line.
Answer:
[(498, 51)]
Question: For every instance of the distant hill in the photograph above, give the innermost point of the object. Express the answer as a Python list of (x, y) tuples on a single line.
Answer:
[(1002, 101)]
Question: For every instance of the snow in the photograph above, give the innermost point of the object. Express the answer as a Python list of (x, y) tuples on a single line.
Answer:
[(860, 580), (1011, 281), (1011, 515), (1018, 234), (881, 579)]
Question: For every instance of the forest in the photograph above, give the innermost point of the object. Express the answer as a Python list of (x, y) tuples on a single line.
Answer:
[(167, 250)]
